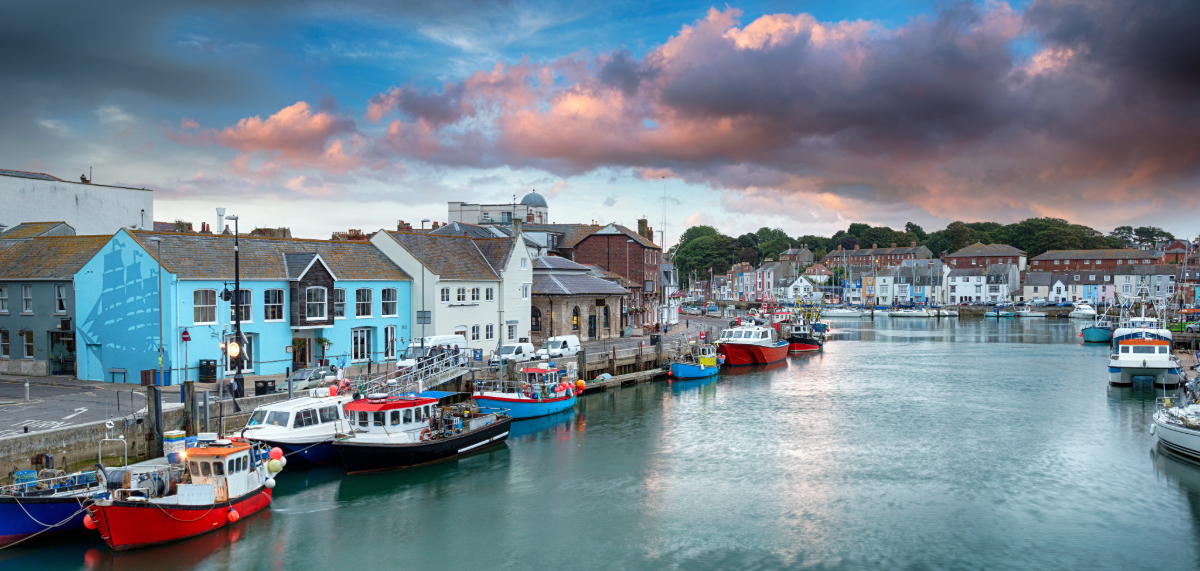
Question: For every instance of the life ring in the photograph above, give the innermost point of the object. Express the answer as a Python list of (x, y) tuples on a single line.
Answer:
[(426, 432)]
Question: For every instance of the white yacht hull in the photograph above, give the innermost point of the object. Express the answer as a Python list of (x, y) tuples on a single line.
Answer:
[(842, 313), (1163, 372), (1175, 437), (1082, 314)]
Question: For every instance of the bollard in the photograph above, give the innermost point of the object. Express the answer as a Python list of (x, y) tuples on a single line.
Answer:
[(291, 387), (26, 391)]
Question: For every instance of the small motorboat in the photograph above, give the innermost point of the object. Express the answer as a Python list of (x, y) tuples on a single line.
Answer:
[(405, 430), (700, 363), (542, 390), (44, 503), (303, 427), (841, 312), (1026, 311), (220, 483), (751, 345), (1082, 310), (911, 313), (999, 311)]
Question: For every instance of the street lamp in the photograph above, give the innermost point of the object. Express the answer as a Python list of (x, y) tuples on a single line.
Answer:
[(424, 316), (158, 240), (235, 348)]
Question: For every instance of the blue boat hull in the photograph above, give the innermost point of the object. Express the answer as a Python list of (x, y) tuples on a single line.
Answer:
[(690, 371), (1095, 334), (318, 453), (524, 408), (15, 525)]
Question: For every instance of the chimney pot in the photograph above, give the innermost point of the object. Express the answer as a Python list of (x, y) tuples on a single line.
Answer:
[(914, 244), (873, 246), (893, 244)]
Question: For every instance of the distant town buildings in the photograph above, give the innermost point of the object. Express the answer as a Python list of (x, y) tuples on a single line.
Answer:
[(91, 209)]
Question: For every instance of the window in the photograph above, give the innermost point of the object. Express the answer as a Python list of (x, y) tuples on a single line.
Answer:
[(339, 303), (273, 305), (978, 289), (1097, 262), (1091, 278), (1056, 262), (525, 291), (3, 299), (60, 298), (474, 294), (362, 302), (512, 333), (314, 303), (524, 263), (474, 333), (305, 418), (1036, 263), (1035, 290), (489, 295), (329, 414), (446, 294), (388, 296), (535, 319), (204, 306), (1087, 262), (379, 417), (246, 306), (360, 345), (389, 342), (4, 354), (218, 468), (27, 299), (1076, 277), (953, 288), (1119, 262), (362, 418), (408, 417), (606, 322), (395, 417), (575, 319), (461, 294), (205, 469), (490, 331)]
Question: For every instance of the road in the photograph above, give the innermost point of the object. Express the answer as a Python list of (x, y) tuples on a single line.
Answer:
[(60, 405)]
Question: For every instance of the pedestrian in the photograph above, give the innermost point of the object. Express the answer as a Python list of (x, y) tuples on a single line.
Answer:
[(233, 387)]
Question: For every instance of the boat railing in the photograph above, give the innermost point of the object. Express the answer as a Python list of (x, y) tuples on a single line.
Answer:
[(425, 375), (49, 485)]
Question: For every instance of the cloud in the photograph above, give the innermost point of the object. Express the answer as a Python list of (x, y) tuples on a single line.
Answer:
[(186, 123), (559, 187), (610, 201), (698, 219)]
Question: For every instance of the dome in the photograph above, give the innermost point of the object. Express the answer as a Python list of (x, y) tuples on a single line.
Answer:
[(535, 200)]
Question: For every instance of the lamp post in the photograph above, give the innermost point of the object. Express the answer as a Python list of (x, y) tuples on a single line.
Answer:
[(424, 316), (237, 304), (158, 240)]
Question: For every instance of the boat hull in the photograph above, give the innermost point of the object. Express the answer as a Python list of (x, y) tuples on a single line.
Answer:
[(737, 355), (130, 525), (312, 452), (1097, 334), (520, 408), (374, 456), (1178, 439), (1165, 375), (692, 371), (803, 345), (17, 519)]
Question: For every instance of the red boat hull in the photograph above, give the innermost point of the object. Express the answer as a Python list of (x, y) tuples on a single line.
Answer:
[(742, 355), (129, 525), (803, 347)]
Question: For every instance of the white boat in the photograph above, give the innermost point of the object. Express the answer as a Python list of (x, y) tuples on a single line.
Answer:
[(303, 427), (910, 313), (943, 312), (1082, 310), (1142, 348), (841, 312), (1177, 426), (1029, 313)]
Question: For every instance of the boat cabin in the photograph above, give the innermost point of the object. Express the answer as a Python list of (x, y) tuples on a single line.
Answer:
[(225, 466), (300, 412), (748, 333), (384, 414)]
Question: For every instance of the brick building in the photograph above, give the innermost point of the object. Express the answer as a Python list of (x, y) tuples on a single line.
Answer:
[(632, 255), (875, 256), (980, 255), (1061, 260)]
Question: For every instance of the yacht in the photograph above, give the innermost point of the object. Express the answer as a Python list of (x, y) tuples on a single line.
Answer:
[(1177, 425), (911, 313), (1083, 310), (841, 312)]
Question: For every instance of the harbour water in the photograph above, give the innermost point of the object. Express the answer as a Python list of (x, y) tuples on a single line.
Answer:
[(907, 443)]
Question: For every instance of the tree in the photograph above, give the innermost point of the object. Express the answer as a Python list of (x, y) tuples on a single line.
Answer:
[(1147, 236), (696, 232), (749, 256), (938, 243), (959, 235), (718, 252), (1124, 233), (848, 243), (916, 231)]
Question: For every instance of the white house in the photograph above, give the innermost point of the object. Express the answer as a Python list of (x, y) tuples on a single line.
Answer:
[(479, 288), (91, 209), (804, 290), (966, 285)]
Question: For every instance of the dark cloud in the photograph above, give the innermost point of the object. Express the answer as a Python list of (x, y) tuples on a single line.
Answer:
[(623, 71)]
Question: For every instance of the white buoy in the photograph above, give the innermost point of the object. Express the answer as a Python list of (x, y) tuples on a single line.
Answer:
[(283, 462), (270, 483), (1152, 427)]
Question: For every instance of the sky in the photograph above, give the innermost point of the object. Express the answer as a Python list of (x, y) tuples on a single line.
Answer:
[(807, 116)]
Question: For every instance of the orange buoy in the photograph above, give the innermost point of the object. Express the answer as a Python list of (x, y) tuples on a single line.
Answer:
[(88, 522), (232, 515)]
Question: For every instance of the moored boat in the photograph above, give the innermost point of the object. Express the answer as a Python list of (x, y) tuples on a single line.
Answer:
[(1142, 349), (1082, 310), (45, 503), (700, 363), (303, 427), (911, 313), (406, 430), (751, 345), (219, 484), (1177, 426), (542, 390), (803, 338), (841, 312)]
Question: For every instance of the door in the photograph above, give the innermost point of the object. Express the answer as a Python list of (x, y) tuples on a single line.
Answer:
[(95, 368), (591, 327)]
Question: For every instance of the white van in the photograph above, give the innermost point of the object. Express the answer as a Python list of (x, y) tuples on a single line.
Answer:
[(561, 346), (446, 342), (520, 352)]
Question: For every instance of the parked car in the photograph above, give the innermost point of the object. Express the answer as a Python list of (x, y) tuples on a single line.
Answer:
[(1192, 327), (561, 346), (520, 352), (310, 378), (418, 349)]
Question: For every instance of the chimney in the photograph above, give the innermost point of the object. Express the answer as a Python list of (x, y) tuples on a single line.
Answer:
[(913, 244), (403, 226), (893, 244), (839, 247), (220, 220), (643, 227), (873, 246), (516, 226), (435, 225)]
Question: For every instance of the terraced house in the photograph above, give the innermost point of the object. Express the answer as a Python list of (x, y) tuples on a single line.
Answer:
[(37, 299), (303, 300)]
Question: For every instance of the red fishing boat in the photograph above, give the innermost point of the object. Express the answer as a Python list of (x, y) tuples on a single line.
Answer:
[(218, 484), (751, 345)]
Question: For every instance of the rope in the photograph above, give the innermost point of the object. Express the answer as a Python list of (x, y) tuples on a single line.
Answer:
[(205, 514), (310, 446), (47, 527)]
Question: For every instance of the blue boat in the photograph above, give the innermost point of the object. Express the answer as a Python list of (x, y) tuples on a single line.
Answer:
[(1097, 334), (541, 391), (702, 363), (26, 510)]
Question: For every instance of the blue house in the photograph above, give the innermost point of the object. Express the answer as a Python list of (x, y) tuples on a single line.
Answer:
[(303, 301)]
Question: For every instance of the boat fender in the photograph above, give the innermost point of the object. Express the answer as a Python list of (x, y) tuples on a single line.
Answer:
[(274, 467), (276, 453), (1152, 426), (269, 483), (233, 515), (88, 522), (283, 462)]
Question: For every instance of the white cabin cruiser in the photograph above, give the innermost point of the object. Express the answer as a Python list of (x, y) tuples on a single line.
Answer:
[(1141, 348), (911, 313), (303, 427), (1082, 310), (841, 312)]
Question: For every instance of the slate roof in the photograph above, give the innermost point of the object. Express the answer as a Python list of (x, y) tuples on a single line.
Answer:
[(574, 284), (576, 234), (469, 230), (48, 257), (868, 252), (32, 229), (33, 175), (1146, 270), (296, 263), (450, 257), (978, 249), (496, 251), (966, 272), (210, 256), (1125, 254), (557, 263), (1036, 278), (998, 269)]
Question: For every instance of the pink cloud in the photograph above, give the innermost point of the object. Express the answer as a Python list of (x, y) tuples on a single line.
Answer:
[(186, 123)]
